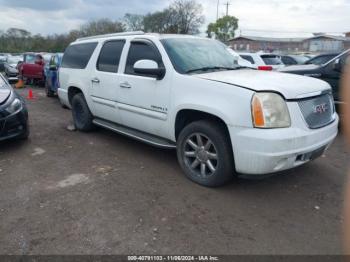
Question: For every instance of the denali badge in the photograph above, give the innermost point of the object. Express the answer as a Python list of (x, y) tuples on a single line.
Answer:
[(321, 108)]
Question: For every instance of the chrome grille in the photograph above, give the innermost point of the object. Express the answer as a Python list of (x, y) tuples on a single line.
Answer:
[(317, 111)]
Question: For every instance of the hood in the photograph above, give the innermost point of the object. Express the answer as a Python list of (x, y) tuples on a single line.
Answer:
[(4, 94), (289, 85), (295, 68)]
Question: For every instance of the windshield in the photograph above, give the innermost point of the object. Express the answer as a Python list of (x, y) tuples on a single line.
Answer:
[(272, 60), (192, 54), (14, 59)]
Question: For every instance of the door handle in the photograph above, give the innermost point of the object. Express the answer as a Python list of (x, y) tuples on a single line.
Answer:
[(95, 80), (125, 85)]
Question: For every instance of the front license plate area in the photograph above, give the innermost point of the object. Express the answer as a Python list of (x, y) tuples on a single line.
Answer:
[(313, 154)]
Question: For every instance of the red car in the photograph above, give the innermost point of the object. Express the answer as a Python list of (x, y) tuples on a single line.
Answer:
[(32, 68)]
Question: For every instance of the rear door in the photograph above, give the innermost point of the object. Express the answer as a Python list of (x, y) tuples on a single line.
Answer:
[(105, 81)]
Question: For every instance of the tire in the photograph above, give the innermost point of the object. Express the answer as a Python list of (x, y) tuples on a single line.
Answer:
[(48, 91), (219, 153), (82, 116)]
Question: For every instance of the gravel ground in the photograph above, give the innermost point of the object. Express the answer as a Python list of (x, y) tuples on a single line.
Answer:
[(65, 192)]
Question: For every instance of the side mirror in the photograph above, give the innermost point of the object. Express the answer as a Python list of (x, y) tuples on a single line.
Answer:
[(337, 66), (149, 67)]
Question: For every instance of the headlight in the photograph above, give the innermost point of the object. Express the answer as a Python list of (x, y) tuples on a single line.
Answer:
[(14, 106), (269, 110)]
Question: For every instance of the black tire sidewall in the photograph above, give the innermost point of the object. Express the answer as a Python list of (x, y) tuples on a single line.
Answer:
[(216, 133), (82, 119)]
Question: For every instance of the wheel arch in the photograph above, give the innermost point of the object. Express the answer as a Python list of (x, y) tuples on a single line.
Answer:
[(186, 116), (72, 91)]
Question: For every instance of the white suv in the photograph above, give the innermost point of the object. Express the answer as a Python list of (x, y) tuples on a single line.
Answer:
[(188, 93)]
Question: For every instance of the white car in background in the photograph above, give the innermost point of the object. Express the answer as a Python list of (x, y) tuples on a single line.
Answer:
[(263, 61)]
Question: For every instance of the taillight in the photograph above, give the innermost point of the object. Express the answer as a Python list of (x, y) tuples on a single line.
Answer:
[(265, 68)]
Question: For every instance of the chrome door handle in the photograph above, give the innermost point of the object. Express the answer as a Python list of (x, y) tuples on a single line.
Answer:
[(95, 80), (125, 85)]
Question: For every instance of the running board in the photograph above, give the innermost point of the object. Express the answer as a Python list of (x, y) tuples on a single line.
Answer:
[(135, 134)]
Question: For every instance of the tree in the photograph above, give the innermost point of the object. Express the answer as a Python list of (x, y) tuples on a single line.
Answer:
[(134, 22), (102, 26), (224, 28), (188, 16), (181, 17)]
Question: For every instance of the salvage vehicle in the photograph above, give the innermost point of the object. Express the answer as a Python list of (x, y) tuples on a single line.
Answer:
[(51, 74), (263, 61), (13, 113), (31, 70), (329, 72), (11, 70), (189, 93)]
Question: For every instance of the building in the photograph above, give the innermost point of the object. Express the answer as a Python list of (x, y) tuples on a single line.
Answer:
[(319, 43)]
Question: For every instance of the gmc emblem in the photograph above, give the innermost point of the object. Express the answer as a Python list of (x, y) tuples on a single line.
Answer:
[(321, 108)]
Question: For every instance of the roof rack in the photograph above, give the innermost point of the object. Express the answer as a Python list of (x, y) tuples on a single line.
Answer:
[(111, 35)]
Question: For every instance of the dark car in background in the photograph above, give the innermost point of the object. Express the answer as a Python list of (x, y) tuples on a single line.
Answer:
[(13, 113), (11, 70), (329, 72), (293, 59), (51, 74), (321, 59)]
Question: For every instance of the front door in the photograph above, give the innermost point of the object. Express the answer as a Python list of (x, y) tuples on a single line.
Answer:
[(144, 100), (105, 81)]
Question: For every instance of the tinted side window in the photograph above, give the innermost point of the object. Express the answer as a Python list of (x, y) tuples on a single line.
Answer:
[(108, 60), (139, 51), (78, 56), (248, 58), (288, 60)]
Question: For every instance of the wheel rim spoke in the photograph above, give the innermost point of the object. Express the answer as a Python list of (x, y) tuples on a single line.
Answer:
[(203, 169), (192, 144), (190, 154), (210, 166), (207, 145), (199, 140), (195, 163), (213, 156)]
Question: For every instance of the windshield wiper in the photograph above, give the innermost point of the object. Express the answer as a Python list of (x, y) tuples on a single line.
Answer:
[(212, 68)]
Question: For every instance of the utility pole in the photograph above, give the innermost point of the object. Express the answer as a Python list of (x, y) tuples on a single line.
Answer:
[(217, 10), (227, 5)]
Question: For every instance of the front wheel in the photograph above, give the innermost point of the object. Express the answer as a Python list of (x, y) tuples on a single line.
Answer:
[(82, 116), (205, 154)]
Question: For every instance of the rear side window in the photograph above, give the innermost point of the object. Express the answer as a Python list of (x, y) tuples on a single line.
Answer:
[(78, 56), (248, 58), (109, 58), (271, 60), (139, 51)]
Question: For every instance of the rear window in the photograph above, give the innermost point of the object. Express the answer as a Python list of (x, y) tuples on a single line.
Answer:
[(248, 58), (271, 60), (78, 56), (108, 60)]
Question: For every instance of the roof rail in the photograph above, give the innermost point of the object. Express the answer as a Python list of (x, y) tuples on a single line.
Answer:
[(111, 35)]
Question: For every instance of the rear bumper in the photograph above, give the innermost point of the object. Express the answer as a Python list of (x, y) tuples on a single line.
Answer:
[(264, 151), (63, 96), (14, 125)]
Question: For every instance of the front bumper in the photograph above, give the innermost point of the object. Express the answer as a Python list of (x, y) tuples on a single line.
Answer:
[(14, 125), (265, 151)]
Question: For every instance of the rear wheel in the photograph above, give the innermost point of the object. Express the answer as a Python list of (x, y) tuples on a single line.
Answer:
[(82, 116), (205, 154)]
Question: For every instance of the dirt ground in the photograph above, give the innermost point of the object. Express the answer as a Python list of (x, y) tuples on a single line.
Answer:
[(64, 192)]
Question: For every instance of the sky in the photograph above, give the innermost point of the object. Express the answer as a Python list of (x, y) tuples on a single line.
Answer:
[(277, 18)]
